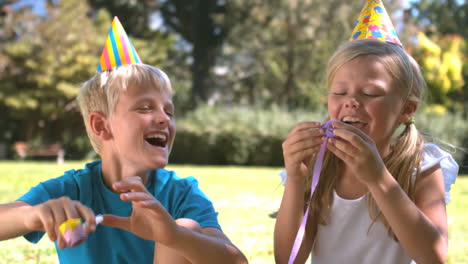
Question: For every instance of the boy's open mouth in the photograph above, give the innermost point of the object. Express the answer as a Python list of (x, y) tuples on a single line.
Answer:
[(158, 140)]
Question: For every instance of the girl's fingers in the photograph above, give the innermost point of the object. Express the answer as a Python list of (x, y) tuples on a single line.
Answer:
[(331, 146), (344, 146), (302, 146), (303, 135), (340, 126)]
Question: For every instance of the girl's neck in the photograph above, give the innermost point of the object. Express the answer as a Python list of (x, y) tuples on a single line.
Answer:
[(349, 187)]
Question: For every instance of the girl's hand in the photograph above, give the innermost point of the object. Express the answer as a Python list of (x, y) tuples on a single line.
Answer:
[(299, 149), (50, 215), (358, 151), (149, 219)]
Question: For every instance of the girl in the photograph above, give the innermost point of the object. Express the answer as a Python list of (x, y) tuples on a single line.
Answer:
[(380, 198)]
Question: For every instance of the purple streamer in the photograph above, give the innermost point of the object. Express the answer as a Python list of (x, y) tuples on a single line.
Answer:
[(315, 178)]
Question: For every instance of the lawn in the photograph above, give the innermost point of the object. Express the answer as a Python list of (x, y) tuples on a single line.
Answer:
[(244, 197)]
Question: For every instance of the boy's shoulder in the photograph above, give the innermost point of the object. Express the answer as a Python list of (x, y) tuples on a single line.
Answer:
[(168, 179), (89, 169)]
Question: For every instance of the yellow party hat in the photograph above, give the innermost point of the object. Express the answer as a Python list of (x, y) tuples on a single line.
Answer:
[(374, 23), (118, 49)]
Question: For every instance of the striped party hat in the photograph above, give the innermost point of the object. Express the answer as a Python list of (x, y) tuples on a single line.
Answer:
[(118, 49), (374, 23)]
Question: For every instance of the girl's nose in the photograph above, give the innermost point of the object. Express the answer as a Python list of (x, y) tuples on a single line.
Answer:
[(352, 103)]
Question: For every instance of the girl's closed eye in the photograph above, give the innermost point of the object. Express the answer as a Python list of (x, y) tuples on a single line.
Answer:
[(338, 93), (371, 94)]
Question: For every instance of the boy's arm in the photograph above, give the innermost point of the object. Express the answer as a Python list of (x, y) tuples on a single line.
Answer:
[(151, 221), (210, 246), (12, 219), (19, 218)]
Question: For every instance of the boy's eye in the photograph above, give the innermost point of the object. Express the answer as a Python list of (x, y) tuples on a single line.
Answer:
[(144, 108)]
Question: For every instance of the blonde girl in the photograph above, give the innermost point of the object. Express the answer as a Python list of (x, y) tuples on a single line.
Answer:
[(380, 197)]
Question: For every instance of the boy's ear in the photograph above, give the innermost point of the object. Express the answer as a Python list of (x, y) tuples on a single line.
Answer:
[(408, 111), (99, 124)]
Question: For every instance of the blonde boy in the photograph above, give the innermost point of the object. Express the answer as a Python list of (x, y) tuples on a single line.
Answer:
[(150, 214)]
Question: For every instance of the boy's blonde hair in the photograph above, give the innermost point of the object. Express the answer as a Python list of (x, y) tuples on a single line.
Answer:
[(406, 155), (101, 93)]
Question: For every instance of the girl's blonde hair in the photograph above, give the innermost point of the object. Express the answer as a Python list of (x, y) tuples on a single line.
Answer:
[(406, 155), (101, 93)]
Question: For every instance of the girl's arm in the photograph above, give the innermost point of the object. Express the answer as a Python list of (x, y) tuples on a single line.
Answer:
[(421, 227), (299, 148), (288, 221)]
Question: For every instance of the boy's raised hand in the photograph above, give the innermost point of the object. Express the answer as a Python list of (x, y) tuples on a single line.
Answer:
[(300, 147), (49, 215), (149, 219), (358, 151)]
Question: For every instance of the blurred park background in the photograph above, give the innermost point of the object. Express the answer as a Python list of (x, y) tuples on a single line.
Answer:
[(243, 73)]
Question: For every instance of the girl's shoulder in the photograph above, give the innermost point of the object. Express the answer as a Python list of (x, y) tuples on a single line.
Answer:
[(433, 155)]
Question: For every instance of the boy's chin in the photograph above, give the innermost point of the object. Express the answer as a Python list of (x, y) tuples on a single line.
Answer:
[(159, 163)]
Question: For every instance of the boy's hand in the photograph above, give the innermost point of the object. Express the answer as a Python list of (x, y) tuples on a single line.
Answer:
[(50, 215), (358, 151), (300, 147), (149, 219)]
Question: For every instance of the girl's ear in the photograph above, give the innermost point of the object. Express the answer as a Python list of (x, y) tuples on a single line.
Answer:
[(408, 111), (99, 124)]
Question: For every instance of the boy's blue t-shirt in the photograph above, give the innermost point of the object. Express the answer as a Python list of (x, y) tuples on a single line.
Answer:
[(181, 197)]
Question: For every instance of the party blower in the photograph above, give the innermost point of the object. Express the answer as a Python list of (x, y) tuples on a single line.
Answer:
[(74, 230)]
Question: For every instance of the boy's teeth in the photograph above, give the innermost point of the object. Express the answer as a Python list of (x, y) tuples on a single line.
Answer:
[(162, 137)]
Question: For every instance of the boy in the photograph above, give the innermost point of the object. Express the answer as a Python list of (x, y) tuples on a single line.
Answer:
[(129, 118)]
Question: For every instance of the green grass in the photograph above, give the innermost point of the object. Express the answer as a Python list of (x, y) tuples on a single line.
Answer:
[(244, 196)]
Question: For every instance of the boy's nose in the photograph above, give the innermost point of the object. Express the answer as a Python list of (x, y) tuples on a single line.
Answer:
[(161, 117)]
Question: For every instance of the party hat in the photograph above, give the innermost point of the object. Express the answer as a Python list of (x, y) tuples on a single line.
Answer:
[(118, 49), (374, 23)]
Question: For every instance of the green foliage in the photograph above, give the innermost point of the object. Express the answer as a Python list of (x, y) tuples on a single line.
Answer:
[(253, 136), (278, 53), (447, 130), (442, 63), (47, 61), (235, 135)]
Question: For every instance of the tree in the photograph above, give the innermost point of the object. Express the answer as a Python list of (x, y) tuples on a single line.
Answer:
[(443, 65), (279, 53), (443, 23), (201, 23), (441, 17), (48, 59)]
